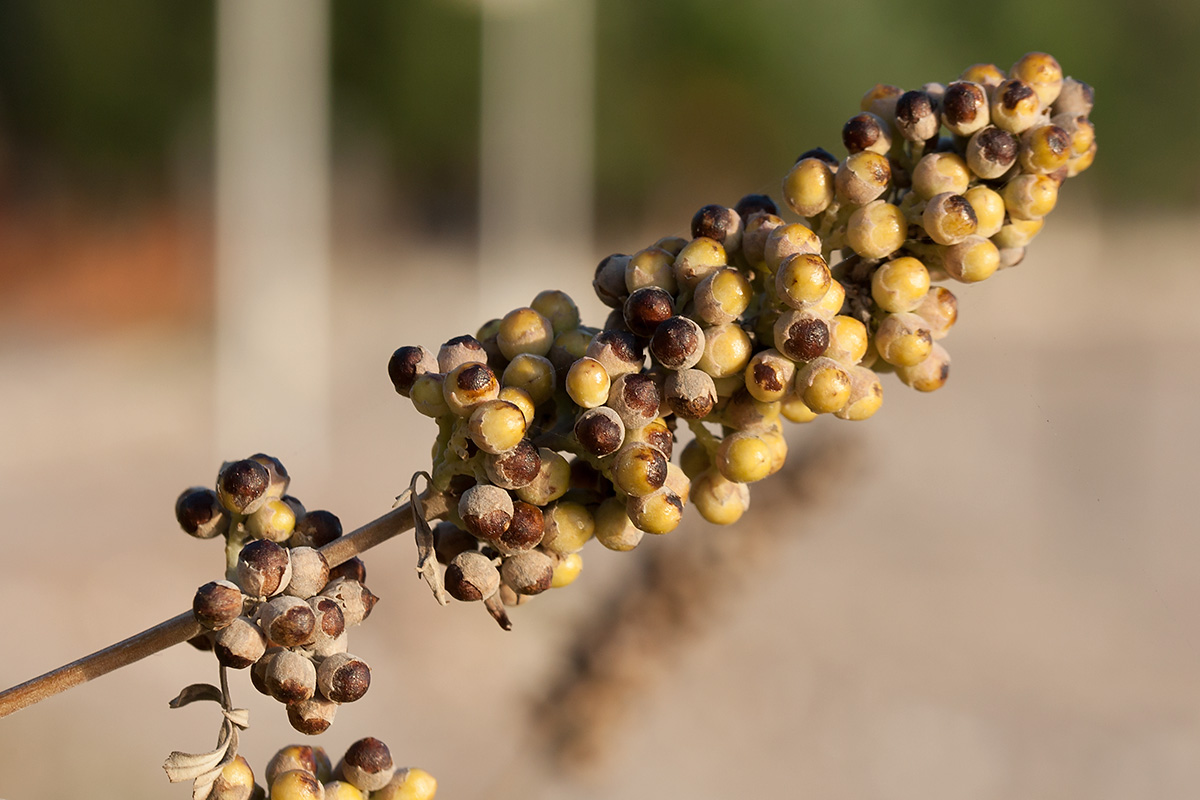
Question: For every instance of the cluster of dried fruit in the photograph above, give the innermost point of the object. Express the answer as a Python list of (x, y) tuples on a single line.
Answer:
[(301, 772), (552, 433), (282, 611)]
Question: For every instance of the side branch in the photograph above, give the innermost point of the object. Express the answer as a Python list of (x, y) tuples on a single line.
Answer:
[(183, 626)]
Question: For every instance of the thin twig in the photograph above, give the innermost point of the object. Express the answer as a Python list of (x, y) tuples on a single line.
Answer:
[(182, 627)]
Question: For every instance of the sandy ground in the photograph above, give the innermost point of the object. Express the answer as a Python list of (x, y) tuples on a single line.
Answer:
[(998, 601)]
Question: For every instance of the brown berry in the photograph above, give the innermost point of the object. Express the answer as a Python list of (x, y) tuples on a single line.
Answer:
[(200, 514), (216, 604), (343, 678)]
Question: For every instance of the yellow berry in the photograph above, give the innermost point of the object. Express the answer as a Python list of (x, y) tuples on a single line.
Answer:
[(769, 375), (696, 261), (788, 240), (744, 458), (273, 520), (808, 187), (936, 173), (903, 339), (296, 785), (1030, 196), (823, 385), (719, 500), (566, 571), (658, 512), (614, 529), (497, 426), (792, 409), (862, 177), (521, 399), (524, 330), (876, 230), (558, 307), (723, 296), (653, 266), (727, 350), (900, 284), (989, 210), (802, 280), (866, 395), (588, 383), (972, 260), (931, 374), (533, 373), (847, 340), (410, 783), (568, 527), (639, 469), (1042, 72)]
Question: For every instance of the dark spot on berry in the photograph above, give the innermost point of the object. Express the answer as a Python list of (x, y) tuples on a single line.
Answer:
[(527, 528), (818, 153), (714, 222), (488, 525), (767, 377), (962, 102), (1016, 93), (196, 507), (333, 622), (647, 308), (459, 587), (913, 107), (622, 344), (353, 569), (476, 378), (1057, 140), (244, 482), (518, 466), (350, 682), (997, 146), (599, 433), (675, 342), (318, 528), (692, 407), (640, 395), (861, 132), (662, 439), (308, 725), (806, 339), (880, 171), (753, 204)]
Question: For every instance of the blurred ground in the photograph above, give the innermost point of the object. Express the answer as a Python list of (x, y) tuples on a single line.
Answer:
[(1002, 603)]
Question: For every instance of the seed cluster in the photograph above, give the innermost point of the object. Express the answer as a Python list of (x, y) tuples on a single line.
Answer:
[(301, 772), (553, 433), (281, 611)]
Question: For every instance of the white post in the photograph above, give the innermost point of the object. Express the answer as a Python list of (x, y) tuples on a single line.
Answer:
[(272, 231), (536, 149)]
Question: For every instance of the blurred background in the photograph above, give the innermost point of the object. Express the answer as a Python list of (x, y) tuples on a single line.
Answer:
[(218, 219)]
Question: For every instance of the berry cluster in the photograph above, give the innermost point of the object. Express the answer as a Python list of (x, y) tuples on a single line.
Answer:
[(301, 772), (281, 609), (552, 433)]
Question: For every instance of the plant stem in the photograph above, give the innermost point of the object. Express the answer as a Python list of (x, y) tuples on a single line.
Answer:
[(182, 627)]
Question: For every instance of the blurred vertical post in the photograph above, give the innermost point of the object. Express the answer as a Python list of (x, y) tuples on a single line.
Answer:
[(536, 146), (272, 231)]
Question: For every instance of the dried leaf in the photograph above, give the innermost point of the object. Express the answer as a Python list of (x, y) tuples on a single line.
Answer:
[(239, 717), (196, 693), (426, 560), (189, 766)]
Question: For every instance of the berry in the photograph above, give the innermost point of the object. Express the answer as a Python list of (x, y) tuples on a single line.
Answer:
[(200, 513)]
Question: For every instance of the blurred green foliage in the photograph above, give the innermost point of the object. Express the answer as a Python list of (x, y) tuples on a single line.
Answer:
[(688, 91)]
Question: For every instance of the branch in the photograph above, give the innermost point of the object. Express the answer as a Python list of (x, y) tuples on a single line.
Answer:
[(182, 627)]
